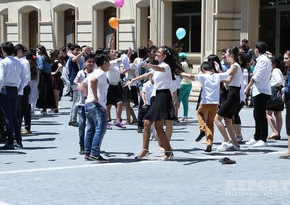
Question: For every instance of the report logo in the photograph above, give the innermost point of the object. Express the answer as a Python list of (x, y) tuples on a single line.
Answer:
[(257, 187)]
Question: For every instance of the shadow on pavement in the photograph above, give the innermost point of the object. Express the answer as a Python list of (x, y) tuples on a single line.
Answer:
[(40, 133), (37, 148), (39, 140), (11, 152), (40, 122), (114, 154)]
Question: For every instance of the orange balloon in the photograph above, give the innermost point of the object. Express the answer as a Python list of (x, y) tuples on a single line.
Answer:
[(113, 22)]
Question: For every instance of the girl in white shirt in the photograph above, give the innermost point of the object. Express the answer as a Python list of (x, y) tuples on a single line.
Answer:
[(162, 107), (231, 103)]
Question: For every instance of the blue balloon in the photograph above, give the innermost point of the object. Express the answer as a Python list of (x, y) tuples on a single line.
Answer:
[(180, 33)]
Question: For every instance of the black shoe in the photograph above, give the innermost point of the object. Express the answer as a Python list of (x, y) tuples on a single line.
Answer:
[(18, 145), (200, 136), (74, 124), (227, 161), (3, 140), (140, 130), (7, 147), (82, 150), (208, 148), (98, 158)]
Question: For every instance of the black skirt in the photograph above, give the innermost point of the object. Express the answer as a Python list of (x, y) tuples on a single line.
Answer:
[(276, 108), (45, 89), (162, 107), (232, 102)]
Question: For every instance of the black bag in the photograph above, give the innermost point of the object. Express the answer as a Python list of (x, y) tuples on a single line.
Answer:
[(276, 97)]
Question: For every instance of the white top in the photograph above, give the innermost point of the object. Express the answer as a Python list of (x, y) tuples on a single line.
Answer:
[(162, 80), (102, 87), (245, 76), (147, 89), (11, 73), (81, 100), (261, 76), (186, 81), (178, 81), (237, 81), (277, 78), (26, 70), (113, 74), (210, 93)]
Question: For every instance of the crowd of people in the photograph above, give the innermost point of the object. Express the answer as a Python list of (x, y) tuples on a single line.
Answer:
[(154, 79)]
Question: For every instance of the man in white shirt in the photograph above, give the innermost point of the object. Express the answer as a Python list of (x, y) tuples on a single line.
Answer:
[(261, 93), (12, 80), (23, 108)]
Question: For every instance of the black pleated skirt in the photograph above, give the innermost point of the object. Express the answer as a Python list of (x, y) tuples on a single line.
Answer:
[(162, 107)]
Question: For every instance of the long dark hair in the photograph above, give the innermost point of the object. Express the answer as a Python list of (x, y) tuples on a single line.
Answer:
[(214, 58), (172, 60), (44, 53), (33, 66), (234, 51)]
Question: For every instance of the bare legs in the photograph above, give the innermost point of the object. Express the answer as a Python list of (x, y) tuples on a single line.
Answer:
[(56, 98), (230, 129), (118, 110), (274, 123), (162, 138), (129, 113)]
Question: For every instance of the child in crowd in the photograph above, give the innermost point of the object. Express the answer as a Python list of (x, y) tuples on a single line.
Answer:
[(146, 93), (210, 97)]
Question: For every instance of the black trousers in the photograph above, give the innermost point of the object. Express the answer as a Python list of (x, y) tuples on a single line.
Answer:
[(9, 98), (287, 117), (261, 123), (24, 108)]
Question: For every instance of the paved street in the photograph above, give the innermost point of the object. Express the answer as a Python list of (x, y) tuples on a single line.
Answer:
[(49, 169)]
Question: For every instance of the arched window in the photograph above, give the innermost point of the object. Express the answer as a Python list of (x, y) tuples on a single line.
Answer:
[(69, 24), (109, 32), (188, 16), (33, 29), (275, 25)]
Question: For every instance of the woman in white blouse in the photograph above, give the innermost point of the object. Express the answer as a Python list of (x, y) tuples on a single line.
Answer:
[(277, 80), (162, 107)]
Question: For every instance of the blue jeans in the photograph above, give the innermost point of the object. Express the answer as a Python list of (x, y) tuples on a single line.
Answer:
[(96, 127), (82, 124)]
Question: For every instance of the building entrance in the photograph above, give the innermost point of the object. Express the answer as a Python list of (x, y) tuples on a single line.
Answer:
[(275, 25)]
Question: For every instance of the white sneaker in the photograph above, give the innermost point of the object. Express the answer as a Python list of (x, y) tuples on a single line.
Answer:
[(233, 148), (251, 142), (260, 143), (224, 147)]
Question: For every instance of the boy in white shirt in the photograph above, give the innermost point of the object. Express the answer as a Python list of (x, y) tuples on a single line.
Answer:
[(210, 97), (95, 107)]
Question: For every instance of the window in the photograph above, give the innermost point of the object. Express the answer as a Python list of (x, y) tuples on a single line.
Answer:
[(33, 29), (109, 32), (188, 16), (69, 22)]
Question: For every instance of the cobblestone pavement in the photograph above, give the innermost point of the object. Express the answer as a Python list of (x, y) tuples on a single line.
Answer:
[(49, 169)]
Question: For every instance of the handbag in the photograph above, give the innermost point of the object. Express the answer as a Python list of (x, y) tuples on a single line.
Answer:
[(276, 97)]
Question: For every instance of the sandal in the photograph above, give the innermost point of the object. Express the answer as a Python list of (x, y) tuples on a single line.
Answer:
[(274, 137), (183, 119), (120, 124), (286, 156), (168, 156), (227, 161), (143, 155)]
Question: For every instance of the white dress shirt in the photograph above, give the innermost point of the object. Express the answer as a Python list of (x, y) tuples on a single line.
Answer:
[(262, 75), (26, 69), (11, 73)]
